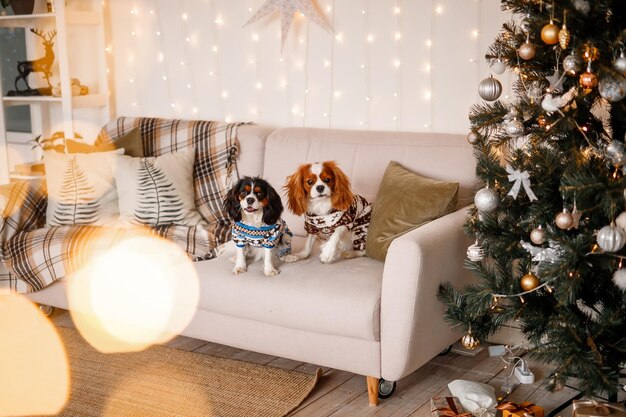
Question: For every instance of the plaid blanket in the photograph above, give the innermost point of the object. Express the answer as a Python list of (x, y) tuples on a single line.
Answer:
[(33, 257)]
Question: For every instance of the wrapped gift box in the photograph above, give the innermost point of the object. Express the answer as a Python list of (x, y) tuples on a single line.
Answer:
[(585, 408), (447, 407), (526, 409)]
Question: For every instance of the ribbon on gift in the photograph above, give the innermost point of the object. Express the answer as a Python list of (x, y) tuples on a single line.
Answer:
[(591, 408), (514, 408), (451, 410), (521, 179)]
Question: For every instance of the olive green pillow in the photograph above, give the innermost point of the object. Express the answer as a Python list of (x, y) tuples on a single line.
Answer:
[(130, 141), (404, 202)]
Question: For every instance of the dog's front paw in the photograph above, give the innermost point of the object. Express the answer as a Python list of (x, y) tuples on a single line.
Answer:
[(289, 259), (271, 272), (239, 269), (328, 257)]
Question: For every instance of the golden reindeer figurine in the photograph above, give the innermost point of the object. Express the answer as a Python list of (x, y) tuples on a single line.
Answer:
[(43, 65)]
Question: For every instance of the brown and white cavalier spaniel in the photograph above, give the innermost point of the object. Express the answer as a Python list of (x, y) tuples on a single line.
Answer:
[(332, 212)]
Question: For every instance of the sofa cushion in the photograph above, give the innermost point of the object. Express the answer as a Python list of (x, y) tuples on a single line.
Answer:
[(81, 190), (341, 299), (156, 191), (216, 145), (405, 201)]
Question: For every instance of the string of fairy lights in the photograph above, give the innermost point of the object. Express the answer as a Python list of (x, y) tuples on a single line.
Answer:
[(294, 73)]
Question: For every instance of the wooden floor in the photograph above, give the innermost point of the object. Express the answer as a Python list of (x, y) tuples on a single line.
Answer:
[(341, 393)]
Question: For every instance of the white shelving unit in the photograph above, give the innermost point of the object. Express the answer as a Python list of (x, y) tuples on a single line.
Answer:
[(86, 16)]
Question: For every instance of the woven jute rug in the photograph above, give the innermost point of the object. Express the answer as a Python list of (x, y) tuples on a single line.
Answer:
[(162, 381)]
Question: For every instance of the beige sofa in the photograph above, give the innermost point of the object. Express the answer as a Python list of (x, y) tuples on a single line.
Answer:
[(381, 320)]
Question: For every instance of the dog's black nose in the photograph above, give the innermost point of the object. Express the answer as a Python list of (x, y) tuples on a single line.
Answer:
[(250, 200), (320, 189)]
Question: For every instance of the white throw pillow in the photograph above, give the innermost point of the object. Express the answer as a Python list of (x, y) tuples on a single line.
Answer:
[(157, 191), (81, 190), (473, 395)]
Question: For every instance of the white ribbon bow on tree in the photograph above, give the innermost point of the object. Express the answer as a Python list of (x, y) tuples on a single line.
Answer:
[(520, 178)]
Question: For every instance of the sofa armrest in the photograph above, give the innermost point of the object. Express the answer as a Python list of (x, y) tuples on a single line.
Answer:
[(413, 330), (23, 208)]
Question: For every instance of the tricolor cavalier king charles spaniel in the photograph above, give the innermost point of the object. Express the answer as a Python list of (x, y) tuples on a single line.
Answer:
[(255, 207), (332, 212)]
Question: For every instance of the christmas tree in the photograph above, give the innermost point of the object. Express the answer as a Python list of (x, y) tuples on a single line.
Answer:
[(549, 222)]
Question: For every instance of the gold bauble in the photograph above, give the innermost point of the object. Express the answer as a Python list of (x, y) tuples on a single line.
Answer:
[(564, 220), (550, 34), (588, 80), (469, 341), (527, 51), (529, 282), (564, 37)]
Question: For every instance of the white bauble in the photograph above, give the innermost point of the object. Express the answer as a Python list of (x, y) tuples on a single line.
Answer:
[(514, 128), (486, 200), (621, 220), (620, 63), (611, 238), (619, 278), (498, 67), (475, 252)]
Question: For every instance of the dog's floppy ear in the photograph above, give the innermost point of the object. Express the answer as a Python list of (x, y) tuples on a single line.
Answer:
[(297, 198), (274, 207), (231, 202), (342, 196)]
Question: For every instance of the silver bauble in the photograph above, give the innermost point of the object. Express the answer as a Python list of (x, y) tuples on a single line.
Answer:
[(472, 137), (475, 252), (527, 51), (489, 89), (487, 200), (611, 238), (514, 128), (538, 236), (616, 152), (620, 63), (498, 67), (572, 64), (619, 278), (612, 85)]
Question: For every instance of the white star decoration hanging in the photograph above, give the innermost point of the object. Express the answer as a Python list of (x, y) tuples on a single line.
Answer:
[(288, 9)]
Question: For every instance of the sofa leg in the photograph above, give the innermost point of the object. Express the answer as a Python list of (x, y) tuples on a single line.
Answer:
[(372, 390)]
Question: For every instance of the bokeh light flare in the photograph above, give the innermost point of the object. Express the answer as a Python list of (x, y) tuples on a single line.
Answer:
[(142, 291), (34, 372)]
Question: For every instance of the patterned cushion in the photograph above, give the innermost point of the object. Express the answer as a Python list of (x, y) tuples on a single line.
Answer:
[(81, 190), (157, 190), (215, 168)]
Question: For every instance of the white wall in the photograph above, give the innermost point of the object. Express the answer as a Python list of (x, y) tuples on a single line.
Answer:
[(193, 59)]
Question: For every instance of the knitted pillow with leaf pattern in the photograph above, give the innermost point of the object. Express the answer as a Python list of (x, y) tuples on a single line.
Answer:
[(157, 191), (81, 189)]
